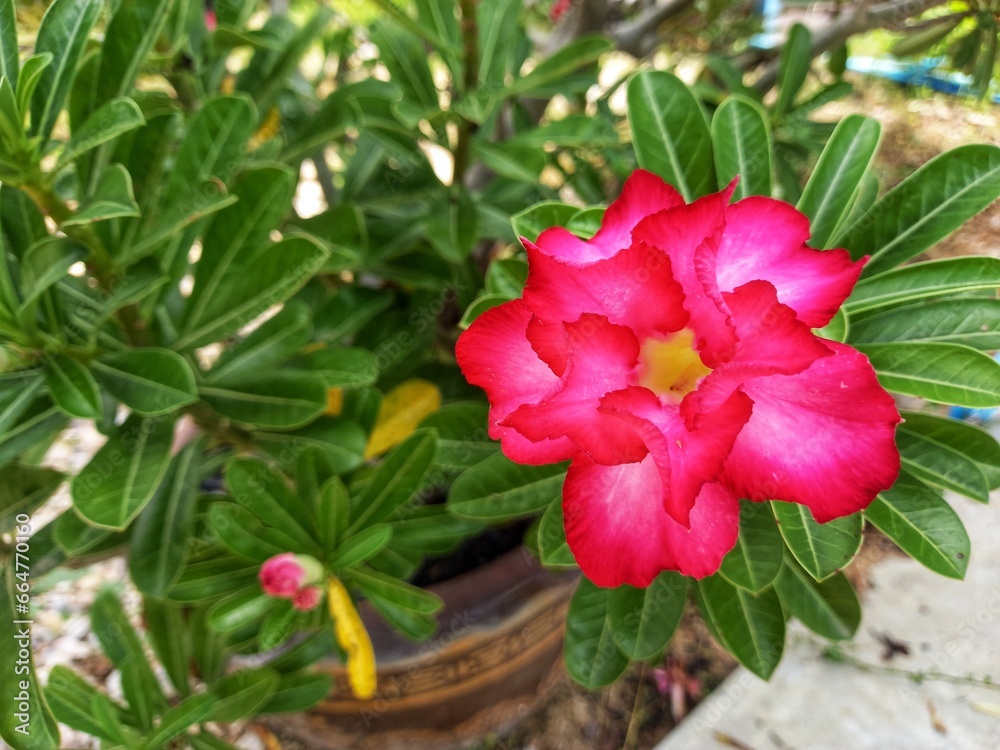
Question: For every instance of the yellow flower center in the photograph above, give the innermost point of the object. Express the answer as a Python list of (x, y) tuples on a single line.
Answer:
[(671, 367)]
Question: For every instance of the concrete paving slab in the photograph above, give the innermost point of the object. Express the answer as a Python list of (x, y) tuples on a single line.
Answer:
[(812, 703)]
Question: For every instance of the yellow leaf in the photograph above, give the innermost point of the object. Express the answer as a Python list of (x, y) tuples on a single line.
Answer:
[(403, 408), (353, 638), (334, 401)]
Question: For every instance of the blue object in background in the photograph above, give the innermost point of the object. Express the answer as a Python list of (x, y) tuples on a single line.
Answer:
[(978, 416)]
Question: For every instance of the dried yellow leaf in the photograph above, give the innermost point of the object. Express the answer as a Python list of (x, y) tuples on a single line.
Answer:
[(403, 408), (353, 638)]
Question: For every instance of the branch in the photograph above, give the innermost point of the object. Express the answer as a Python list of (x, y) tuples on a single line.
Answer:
[(885, 15), (639, 36)]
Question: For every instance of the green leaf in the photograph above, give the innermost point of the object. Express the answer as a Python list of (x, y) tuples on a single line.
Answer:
[(124, 474), (22, 489), (348, 311), (837, 329), (752, 628), (412, 624), (755, 561), (45, 263), (568, 59), (479, 306), (361, 546), (742, 146), (643, 620), (340, 442), (27, 82), (72, 699), (835, 181), (592, 657), (264, 195), (333, 513), (669, 132), (239, 609), (925, 207), (393, 590), (506, 277), (973, 322), (553, 550), (72, 387), (342, 367), (76, 537), (9, 52), (278, 400), (266, 494), (39, 422), (190, 711), (271, 344), (532, 221), (270, 275), (297, 692), (945, 373), (406, 60), (967, 439), (162, 532), (924, 526), (940, 466), (121, 644), (170, 636), (498, 26), (829, 608), (796, 56), (498, 489), (397, 479), (150, 381), (934, 278), (205, 581), (451, 229), (239, 531), (107, 123), (112, 199), (462, 437), (128, 41), (36, 728), (821, 548), (63, 32), (242, 694)]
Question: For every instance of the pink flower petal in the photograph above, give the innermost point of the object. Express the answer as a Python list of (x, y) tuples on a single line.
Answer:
[(689, 235), (642, 194), (619, 533), (621, 288), (766, 239), (495, 355), (823, 437), (602, 358), (686, 458)]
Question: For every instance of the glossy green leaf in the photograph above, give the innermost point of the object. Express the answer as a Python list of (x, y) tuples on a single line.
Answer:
[(240, 694), (266, 494), (27, 81), (924, 526), (973, 322), (414, 625), (72, 699), (63, 33), (579, 53), (836, 179), (333, 513), (925, 207), (240, 532), (553, 550), (838, 329), (36, 728), (406, 59), (124, 474), (670, 135), (297, 692), (267, 277), (752, 628), (755, 561), (532, 221), (39, 422), (239, 609), (112, 199), (396, 481), (107, 123), (592, 657), (72, 387), (945, 373), (940, 466), (45, 263), (462, 437), (271, 344), (22, 489), (741, 142), (342, 367), (340, 442), (392, 589), (829, 608), (279, 400), (934, 278), (642, 621), (967, 439), (150, 381), (497, 24), (498, 489), (206, 580), (361, 546), (821, 548), (169, 635), (794, 61), (123, 647), (130, 37), (192, 710), (9, 52), (163, 530), (479, 306)]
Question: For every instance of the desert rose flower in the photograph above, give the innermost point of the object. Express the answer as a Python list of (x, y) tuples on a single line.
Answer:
[(285, 574), (671, 358), (307, 598)]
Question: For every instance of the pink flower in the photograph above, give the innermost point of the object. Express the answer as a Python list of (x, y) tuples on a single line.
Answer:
[(285, 574), (671, 359), (307, 598), (559, 9)]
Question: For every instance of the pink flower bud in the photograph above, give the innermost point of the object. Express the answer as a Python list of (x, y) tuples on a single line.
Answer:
[(307, 598), (285, 574)]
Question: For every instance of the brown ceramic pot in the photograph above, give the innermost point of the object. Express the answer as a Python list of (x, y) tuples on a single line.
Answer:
[(497, 652)]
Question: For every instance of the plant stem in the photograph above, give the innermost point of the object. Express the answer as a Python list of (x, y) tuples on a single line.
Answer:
[(916, 675), (470, 78)]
